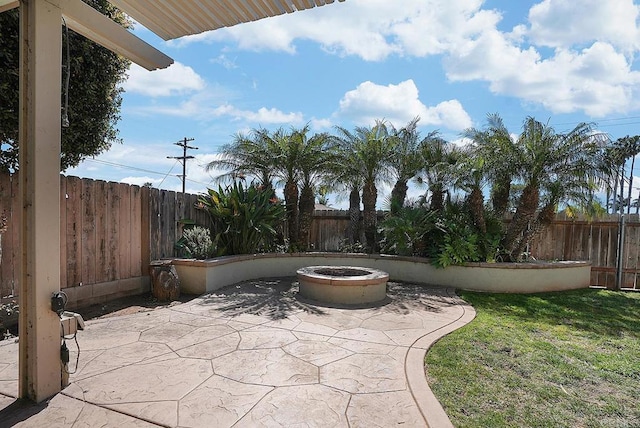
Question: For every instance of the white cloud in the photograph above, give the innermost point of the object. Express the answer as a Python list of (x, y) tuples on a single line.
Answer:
[(321, 124), (589, 69), (174, 80), (206, 107), (399, 104), (564, 23), (227, 63), (597, 80), (371, 29), (263, 116)]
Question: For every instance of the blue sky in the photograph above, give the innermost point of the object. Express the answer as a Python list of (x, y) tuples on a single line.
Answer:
[(451, 62)]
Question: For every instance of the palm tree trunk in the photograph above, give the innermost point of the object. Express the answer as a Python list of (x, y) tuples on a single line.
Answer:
[(291, 204), (369, 217), (622, 189), (437, 198), (633, 161), (306, 207), (500, 197), (520, 222), (354, 216), (476, 202), (546, 216), (398, 195)]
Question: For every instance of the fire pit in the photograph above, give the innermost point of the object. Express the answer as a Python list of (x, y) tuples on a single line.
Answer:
[(343, 284)]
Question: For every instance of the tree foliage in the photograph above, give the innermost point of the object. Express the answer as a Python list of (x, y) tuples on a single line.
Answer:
[(94, 91)]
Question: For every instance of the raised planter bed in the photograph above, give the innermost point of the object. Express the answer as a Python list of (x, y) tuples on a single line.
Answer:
[(202, 276)]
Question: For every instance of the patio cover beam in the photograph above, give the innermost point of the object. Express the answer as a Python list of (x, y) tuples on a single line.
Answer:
[(8, 5), (85, 20)]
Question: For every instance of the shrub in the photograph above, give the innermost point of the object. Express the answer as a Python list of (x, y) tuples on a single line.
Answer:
[(404, 233), (244, 220), (196, 242)]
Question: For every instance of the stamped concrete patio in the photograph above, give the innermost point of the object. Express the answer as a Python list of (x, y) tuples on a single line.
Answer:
[(251, 355)]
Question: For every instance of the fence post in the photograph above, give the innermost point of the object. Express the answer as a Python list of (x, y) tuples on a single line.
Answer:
[(620, 254)]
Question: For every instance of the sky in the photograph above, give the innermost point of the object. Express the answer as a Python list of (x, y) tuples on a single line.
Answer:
[(450, 62)]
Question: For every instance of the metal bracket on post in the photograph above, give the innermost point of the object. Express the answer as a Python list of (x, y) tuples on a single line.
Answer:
[(70, 323)]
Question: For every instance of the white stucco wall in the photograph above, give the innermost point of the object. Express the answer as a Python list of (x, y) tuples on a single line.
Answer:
[(201, 276)]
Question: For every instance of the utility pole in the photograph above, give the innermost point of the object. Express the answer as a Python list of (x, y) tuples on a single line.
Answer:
[(183, 143)]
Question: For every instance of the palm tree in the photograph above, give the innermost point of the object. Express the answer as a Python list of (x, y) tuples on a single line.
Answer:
[(266, 156), (610, 164), (406, 161), (495, 146), (629, 148), (246, 155), (285, 156), (368, 151), (553, 168), (315, 161), (343, 176), (373, 150), (438, 170), (471, 174)]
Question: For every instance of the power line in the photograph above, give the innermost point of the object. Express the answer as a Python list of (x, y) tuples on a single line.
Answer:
[(119, 165)]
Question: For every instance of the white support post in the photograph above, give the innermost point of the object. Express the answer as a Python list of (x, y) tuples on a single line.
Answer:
[(40, 77)]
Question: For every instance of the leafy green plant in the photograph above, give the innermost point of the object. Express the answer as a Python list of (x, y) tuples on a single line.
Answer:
[(458, 248), (356, 247), (404, 233), (244, 220), (455, 240), (8, 316), (196, 242)]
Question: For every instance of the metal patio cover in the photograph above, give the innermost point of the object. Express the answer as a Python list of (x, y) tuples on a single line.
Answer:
[(171, 19)]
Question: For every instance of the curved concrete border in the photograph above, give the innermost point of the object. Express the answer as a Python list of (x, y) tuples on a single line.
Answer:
[(415, 372), (201, 276)]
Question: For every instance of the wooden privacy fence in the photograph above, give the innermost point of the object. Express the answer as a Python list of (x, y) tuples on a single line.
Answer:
[(111, 231), (597, 242)]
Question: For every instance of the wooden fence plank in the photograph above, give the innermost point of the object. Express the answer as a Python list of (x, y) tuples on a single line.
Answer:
[(124, 231), (145, 244), (102, 231), (9, 263), (63, 231), (113, 231), (154, 224), (74, 231), (135, 230), (88, 242)]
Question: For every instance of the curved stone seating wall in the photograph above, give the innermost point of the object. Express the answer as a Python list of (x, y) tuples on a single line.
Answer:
[(202, 276)]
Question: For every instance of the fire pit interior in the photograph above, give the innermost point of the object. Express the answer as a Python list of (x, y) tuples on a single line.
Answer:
[(343, 284), (341, 271)]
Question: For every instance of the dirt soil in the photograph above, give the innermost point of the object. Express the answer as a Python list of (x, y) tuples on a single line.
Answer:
[(128, 305)]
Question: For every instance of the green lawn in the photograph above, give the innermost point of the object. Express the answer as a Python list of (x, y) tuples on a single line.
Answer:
[(569, 359)]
